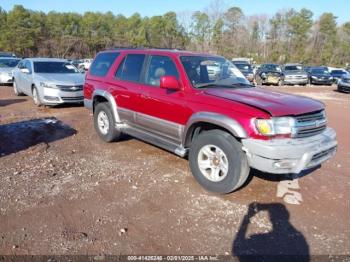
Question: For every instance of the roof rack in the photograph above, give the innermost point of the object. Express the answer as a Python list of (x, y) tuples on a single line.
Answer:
[(144, 47)]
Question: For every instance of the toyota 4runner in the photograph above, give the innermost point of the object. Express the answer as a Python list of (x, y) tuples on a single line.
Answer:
[(202, 106)]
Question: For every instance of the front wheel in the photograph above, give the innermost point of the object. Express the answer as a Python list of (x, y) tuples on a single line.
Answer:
[(218, 162), (15, 88), (36, 97), (105, 124)]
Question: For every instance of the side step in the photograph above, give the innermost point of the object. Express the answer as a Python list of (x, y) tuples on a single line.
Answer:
[(155, 140)]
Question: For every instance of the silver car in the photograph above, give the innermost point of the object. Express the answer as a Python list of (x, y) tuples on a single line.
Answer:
[(7, 64), (49, 81)]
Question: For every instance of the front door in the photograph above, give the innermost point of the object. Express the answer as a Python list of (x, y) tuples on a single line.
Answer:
[(160, 110)]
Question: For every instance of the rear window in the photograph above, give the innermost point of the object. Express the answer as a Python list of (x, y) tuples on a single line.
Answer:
[(102, 63), (131, 67)]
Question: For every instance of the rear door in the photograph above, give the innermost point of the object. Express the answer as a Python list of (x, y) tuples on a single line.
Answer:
[(126, 85)]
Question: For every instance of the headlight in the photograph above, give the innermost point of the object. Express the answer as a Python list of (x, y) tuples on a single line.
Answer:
[(275, 126), (313, 77), (48, 85)]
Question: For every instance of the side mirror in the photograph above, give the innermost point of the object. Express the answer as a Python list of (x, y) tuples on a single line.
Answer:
[(169, 82), (25, 70)]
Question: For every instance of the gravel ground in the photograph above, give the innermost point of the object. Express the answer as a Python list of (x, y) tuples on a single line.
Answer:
[(64, 191)]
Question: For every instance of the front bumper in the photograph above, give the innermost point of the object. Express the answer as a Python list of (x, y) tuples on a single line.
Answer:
[(283, 156), (344, 86), (321, 81), (54, 96), (6, 79), (295, 81)]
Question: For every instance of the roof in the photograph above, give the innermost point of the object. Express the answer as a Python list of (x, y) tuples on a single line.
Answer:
[(43, 59), (159, 51)]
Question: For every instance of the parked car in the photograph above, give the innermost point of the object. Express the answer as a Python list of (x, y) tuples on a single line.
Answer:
[(344, 83), (226, 126), (49, 81), (7, 54), (269, 74), (246, 69), (294, 74), (320, 75), (337, 74), (7, 64), (85, 64)]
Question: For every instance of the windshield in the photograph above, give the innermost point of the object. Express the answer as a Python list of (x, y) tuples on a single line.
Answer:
[(319, 71), (293, 67), (339, 72), (243, 67), (207, 71), (272, 67), (9, 62), (54, 68)]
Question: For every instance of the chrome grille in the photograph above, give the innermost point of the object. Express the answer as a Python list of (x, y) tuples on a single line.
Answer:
[(310, 124), (73, 99), (70, 88)]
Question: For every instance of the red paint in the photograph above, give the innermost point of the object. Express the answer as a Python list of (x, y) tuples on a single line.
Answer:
[(178, 105)]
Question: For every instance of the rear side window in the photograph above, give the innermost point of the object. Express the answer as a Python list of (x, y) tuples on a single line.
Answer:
[(131, 67), (102, 64)]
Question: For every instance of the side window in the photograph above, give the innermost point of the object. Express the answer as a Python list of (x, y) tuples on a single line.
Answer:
[(103, 63), (160, 66), (131, 67), (21, 65), (28, 65)]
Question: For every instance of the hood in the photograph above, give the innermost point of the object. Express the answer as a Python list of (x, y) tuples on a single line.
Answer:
[(320, 75), (62, 79), (275, 103), (6, 69), (295, 72)]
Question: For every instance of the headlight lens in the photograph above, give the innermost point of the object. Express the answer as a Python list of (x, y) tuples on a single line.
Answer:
[(43, 84), (275, 126)]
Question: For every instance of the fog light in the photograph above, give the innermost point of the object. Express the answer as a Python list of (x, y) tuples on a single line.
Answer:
[(284, 164), (51, 98)]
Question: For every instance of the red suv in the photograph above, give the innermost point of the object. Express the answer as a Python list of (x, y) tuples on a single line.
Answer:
[(202, 106)]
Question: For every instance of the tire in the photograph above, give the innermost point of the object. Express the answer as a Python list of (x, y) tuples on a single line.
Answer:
[(36, 97), (15, 89), (106, 132), (236, 161)]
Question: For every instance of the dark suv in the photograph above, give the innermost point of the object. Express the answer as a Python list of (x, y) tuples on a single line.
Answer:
[(202, 106)]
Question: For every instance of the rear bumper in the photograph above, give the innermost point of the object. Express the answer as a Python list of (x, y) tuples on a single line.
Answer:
[(282, 156)]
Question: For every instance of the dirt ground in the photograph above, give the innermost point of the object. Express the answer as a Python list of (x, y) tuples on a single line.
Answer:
[(64, 191)]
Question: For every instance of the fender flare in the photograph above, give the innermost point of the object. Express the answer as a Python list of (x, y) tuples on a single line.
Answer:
[(111, 101), (223, 121)]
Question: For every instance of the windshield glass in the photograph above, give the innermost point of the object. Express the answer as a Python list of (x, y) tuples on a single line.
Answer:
[(271, 67), (54, 68), (319, 71), (207, 71), (339, 72), (244, 67), (9, 62), (293, 67)]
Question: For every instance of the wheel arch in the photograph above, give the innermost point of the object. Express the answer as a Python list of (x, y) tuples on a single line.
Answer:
[(207, 121), (99, 96)]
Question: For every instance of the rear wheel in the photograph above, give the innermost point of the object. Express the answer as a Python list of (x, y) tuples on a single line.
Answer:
[(105, 124), (218, 162)]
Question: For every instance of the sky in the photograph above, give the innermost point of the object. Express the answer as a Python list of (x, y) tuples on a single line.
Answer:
[(340, 8)]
